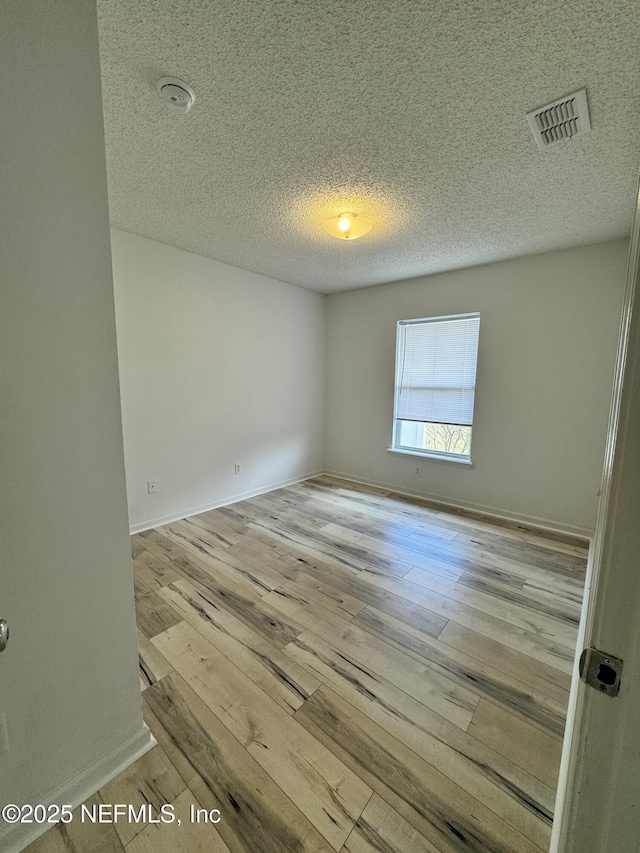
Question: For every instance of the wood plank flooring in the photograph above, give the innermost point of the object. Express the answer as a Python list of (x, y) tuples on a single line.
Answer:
[(339, 668)]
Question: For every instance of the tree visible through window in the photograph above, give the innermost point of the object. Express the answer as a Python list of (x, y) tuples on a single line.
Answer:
[(435, 385), (448, 438)]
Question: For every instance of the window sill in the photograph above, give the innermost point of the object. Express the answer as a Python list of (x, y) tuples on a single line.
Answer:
[(434, 457)]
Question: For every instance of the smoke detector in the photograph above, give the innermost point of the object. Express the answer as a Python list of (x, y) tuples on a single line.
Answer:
[(562, 119), (177, 94)]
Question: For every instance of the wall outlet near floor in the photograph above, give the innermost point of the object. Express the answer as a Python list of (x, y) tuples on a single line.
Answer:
[(237, 468), (152, 487), (4, 735), (418, 471)]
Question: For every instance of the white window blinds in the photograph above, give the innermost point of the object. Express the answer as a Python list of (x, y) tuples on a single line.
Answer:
[(436, 369)]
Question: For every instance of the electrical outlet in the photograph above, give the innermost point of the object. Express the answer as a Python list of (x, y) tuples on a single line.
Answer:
[(418, 471), (4, 735), (237, 468), (152, 487)]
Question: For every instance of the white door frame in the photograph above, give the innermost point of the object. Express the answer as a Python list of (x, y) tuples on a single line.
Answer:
[(598, 800)]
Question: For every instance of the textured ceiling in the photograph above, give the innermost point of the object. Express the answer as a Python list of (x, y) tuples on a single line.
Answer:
[(409, 112)]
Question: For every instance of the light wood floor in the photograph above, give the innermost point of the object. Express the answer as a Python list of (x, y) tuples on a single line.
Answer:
[(339, 668)]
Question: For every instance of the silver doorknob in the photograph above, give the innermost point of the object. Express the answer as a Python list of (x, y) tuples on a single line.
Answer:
[(4, 634)]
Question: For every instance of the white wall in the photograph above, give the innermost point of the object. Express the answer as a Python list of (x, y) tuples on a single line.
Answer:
[(68, 679), (217, 366), (548, 334)]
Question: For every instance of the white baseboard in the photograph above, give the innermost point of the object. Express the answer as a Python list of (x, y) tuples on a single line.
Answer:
[(77, 790), (231, 499), (490, 511)]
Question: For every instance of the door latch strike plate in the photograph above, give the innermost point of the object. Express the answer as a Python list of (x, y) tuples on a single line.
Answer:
[(4, 634), (601, 671)]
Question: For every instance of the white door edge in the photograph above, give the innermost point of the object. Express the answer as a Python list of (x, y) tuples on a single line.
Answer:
[(572, 768)]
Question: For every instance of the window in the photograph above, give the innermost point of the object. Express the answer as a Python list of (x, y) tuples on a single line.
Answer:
[(435, 386)]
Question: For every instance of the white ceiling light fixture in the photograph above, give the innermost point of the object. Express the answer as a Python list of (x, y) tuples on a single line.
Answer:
[(177, 94), (347, 226), (562, 119)]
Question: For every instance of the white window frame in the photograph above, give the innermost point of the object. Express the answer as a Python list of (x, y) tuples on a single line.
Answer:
[(435, 455)]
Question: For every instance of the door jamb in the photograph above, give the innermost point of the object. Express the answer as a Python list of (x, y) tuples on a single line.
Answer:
[(568, 791)]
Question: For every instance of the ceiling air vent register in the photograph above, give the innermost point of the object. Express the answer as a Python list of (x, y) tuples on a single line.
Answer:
[(562, 119)]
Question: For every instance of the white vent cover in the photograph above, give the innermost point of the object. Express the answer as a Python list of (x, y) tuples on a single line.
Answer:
[(560, 120)]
